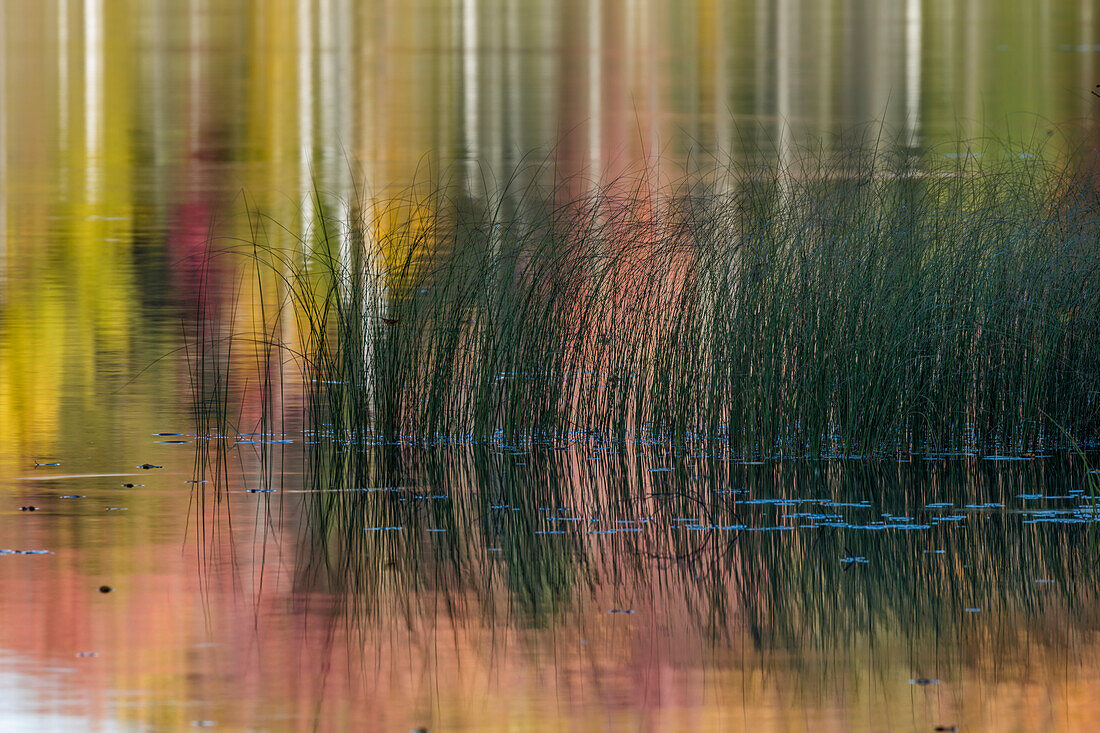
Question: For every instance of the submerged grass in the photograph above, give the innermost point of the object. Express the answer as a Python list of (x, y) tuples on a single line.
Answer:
[(834, 305)]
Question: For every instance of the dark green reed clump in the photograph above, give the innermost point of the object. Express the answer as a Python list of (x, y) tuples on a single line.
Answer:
[(837, 304)]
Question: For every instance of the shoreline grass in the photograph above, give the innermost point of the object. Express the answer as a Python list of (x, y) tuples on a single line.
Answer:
[(845, 305)]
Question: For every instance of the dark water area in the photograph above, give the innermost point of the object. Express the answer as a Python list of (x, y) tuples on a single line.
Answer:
[(180, 547)]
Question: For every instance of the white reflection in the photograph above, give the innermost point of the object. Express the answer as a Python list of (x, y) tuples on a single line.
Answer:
[(93, 88), (912, 70), (784, 70), (595, 77), (722, 112), (305, 111), (514, 93), (470, 88)]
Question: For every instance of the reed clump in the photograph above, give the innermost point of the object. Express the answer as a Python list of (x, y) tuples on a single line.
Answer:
[(860, 303)]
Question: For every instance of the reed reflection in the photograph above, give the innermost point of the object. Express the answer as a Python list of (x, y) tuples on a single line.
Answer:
[(593, 566)]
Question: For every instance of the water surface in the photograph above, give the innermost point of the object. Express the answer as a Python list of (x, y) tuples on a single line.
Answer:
[(520, 593)]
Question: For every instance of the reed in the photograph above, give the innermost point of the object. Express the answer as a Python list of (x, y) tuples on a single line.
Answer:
[(537, 405), (835, 305)]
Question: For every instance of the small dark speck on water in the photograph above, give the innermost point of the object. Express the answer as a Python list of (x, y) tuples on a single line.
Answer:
[(173, 441), (105, 589), (946, 728), (45, 465), (130, 486), (71, 496), (147, 466), (923, 681), (261, 491), (85, 655), (28, 508), (167, 434), (621, 610)]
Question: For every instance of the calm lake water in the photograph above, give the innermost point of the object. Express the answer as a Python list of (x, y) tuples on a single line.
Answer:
[(136, 137)]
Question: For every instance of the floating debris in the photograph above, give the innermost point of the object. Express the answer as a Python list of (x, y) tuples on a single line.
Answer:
[(924, 681), (621, 610), (131, 486), (45, 465), (261, 491), (105, 589), (71, 496), (172, 441), (28, 508), (117, 508), (147, 466)]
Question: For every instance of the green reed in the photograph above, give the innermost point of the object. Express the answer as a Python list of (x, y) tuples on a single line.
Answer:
[(857, 303)]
